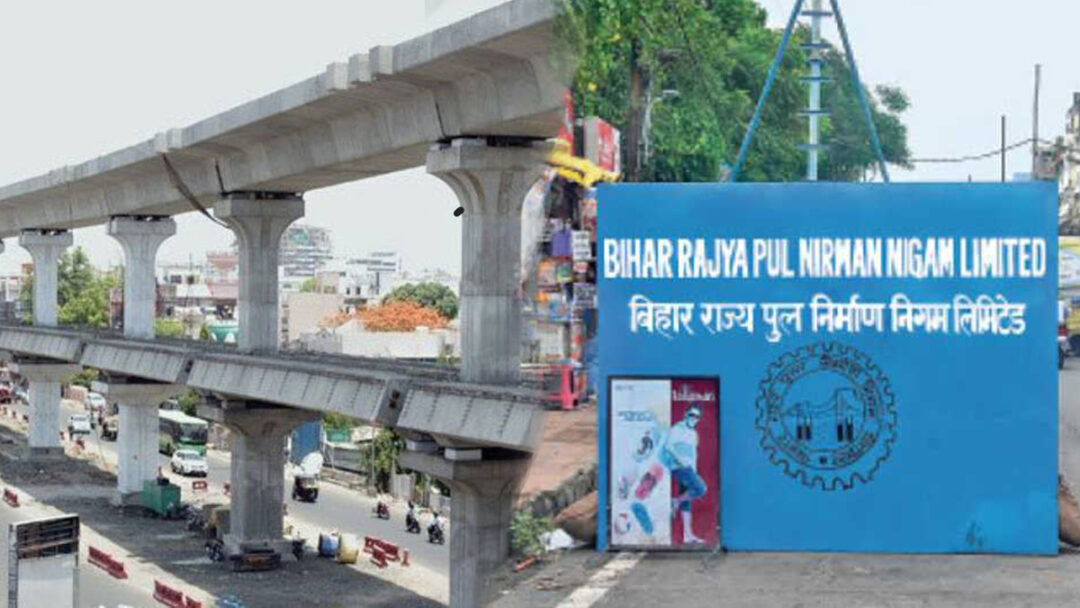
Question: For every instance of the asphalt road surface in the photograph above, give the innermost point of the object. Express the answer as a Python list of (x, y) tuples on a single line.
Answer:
[(96, 588), (337, 508)]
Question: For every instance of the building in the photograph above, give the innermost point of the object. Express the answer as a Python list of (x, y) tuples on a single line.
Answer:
[(305, 312), (353, 340), (364, 278), (304, 250)]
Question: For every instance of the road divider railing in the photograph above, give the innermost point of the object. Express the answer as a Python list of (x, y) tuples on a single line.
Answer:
[(108, 563), (11, 497)]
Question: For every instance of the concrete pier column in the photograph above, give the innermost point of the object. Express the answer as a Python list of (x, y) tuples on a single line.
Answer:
[(481, 500), (45, 247), (140, 238), (137, 437), (257, 475), (490, 182), (43, 438), (259, 221)]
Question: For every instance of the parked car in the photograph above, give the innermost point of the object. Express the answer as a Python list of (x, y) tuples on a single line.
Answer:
[(94, 403), (188, 462), (79, 424)]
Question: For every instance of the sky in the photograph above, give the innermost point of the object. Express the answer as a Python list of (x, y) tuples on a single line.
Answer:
[(85, 78)]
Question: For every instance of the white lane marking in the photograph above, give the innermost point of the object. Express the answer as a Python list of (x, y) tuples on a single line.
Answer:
[(606, 578)]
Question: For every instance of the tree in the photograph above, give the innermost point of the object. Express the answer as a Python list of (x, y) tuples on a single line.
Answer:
[(429, 294), (400, 316), (168, 328), (189, 401), (387, 446), (88, 307), (309, 285), (716, 54), (82, 296)]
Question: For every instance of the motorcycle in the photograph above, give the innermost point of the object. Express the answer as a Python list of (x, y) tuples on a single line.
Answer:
[(215, 549), (412, 525), (382, 510), (435, 534)]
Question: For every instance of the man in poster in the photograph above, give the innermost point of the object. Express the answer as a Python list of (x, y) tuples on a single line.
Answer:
[(680, 456)]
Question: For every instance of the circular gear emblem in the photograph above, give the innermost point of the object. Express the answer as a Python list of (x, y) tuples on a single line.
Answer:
[(826, 415)]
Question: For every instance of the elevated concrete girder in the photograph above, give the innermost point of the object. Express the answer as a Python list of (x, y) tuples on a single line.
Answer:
[(482, 496), (490, 183), (487, 74), (258, 223), (257, 475)]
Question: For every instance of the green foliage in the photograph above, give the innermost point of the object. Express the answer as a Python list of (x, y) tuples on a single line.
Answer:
[(387, 446), (431, 295), (526, 530), (189, 401), (88, 307), (168, 328), (309, 285), (332, 420), (83, 378), (716, 54), (75, 276)]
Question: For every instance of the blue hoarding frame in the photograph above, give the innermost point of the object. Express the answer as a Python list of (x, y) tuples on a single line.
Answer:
[(1043, 194)]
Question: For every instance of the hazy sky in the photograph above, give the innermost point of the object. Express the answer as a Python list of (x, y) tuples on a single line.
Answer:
[(86, 78)]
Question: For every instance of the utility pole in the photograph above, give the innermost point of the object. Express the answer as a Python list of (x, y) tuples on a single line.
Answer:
[(1035, 126), (638, 85), (1003, 147), (815, 93)]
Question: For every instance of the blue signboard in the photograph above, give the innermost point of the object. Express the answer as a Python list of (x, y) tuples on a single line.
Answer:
[(884, 354)]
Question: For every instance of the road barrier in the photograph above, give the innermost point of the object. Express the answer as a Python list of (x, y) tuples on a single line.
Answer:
[(167, 595), (378, 556), (383, 551), (10, 497), (189, 602), (199, 485), (106, 562)]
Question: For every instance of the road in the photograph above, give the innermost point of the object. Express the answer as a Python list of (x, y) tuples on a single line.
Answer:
[(337, 508), (96, 589)]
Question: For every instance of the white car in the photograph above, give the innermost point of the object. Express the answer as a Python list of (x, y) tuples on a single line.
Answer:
[(79, 424), (188, 462), (94, 403)]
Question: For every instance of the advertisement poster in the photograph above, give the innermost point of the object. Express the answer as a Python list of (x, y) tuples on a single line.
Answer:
[(665, 463)]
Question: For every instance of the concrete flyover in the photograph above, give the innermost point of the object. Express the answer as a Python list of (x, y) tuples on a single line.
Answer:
[(474, 103), (377, 112), (413, 398)]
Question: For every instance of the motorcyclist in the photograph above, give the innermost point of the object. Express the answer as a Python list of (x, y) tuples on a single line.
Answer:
[(435, 528), (411, 523)]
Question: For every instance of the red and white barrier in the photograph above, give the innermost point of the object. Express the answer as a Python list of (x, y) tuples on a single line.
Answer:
[(165, 594), (10, 497), (106, 562)]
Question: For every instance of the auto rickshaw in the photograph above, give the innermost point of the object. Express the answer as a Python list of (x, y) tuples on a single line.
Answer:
[(305, 487)]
